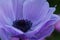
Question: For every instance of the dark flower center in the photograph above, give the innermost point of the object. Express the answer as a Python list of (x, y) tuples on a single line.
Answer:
[(23, 25)]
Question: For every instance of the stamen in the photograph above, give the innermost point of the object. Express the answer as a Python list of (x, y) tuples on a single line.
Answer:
[(23, 25)]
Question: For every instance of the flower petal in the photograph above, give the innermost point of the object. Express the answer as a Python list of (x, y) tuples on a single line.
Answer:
[(46, 18), (6, 6), (4, 19), (7, 31), (55, 17), (13, 31), (3, 34), (18, 8), (6, 12), (35, 10), (11, 10), (45, 31)]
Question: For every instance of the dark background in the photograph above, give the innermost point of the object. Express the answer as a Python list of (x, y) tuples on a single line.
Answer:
[(54, 3), (55, 35)]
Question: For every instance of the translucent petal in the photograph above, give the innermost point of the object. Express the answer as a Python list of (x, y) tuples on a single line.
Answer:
[(6, 32), (18, 8), (4, 19), (13, 30), (45, 31), (35, 10), (46, 18), (7, 9), (3, 34), (40, 25), (10, 10)]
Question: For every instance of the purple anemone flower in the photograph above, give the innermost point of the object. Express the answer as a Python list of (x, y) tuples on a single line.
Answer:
[(29, 19)]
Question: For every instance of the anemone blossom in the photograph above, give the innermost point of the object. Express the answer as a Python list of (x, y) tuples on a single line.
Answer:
[(29, 19)]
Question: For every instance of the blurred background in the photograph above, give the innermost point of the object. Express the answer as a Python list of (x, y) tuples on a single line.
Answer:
[(55, 35)]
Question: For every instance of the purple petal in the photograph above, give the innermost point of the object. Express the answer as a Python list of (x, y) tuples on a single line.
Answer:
[(13, 30), (3, 34), (45, 30), (18, 8), (47, 17), (6, 12), (7, 31), (42, 22), (10, 31), (7, 9), (2, 20), (37, 27), (10, 10), (35, 10), (55, 17), (57, 23)]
